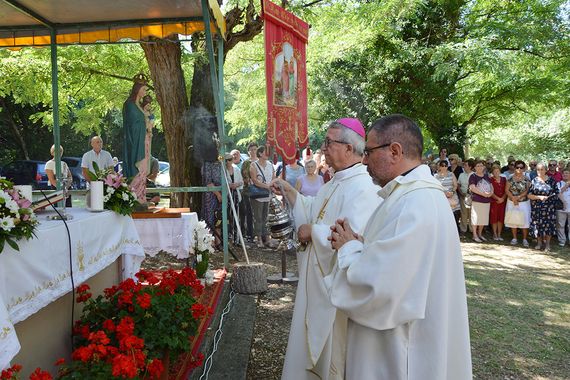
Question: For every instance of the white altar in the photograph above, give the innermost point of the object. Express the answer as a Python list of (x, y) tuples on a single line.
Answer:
[(40, 274), (172, 235)]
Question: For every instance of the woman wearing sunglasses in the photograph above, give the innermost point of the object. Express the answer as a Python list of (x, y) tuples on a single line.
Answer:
[(517, 214)]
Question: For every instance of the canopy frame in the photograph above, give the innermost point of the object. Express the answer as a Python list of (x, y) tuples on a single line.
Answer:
[(216, 72)]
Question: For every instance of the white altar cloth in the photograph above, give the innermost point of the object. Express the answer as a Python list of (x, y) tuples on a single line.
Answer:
[(172, 235), (39, 274)]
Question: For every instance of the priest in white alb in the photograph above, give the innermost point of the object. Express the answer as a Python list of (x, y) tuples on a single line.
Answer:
[(401, 282), (317, 340)]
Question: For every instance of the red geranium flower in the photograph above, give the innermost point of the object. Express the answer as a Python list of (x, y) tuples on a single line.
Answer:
[(109, 325), (125, 327), (155, 368), (126, 298), (38, 374), (198, 310), (99, 337), (144, 300), (124, 366), (83, 353), (131, 342)]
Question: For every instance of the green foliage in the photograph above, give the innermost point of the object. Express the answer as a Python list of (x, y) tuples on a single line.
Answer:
[(542, 139)]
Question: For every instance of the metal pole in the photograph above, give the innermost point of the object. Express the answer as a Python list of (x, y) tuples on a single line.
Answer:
[(55, 107), (217, 105)]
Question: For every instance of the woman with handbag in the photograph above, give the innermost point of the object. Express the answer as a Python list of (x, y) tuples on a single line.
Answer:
[(261, 173), (481, 190), (497, 214), (449, 183), (517, 214), (542, 194)]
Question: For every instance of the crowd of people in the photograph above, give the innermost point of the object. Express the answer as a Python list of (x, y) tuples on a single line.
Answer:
[(531, 197), (307, 174)]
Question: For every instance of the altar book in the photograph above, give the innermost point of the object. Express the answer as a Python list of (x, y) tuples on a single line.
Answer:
[(52, 198)]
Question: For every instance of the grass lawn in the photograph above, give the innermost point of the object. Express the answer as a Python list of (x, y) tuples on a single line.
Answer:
[(519, 311)]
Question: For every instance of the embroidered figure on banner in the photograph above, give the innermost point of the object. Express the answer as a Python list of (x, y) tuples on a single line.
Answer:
[(285, 77)]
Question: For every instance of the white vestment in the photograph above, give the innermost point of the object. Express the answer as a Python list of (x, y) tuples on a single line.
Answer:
[(313, 351), (403, 288)]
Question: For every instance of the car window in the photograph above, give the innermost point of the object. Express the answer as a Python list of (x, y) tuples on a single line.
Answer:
[(162, 166), (42, 168)]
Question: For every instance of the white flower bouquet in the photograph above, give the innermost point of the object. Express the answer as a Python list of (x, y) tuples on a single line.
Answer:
[(17, 219), (203, 247)]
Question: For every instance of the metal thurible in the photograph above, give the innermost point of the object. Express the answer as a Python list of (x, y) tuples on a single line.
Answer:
[(282, 229), (280, 225)]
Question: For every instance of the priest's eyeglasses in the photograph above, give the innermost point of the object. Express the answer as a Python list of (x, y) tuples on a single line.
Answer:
[(367, 151), (329, 141)]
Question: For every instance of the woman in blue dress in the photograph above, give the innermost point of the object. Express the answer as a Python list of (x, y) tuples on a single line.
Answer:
[(542, 194)]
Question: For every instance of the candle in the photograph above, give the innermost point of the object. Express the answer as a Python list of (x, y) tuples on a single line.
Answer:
[(96, 195)]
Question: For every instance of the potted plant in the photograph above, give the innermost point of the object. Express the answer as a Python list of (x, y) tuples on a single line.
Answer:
[(202, 248), (134, 328)]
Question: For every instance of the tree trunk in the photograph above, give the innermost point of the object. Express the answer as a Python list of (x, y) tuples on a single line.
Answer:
[(249, 278), (181, 119), (164, 61), (18, 136)]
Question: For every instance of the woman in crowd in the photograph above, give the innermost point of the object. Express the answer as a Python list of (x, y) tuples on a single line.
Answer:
[(310, 183), (65, 172), (449, 183), (455, 165), (518, 203), (261, 173), (497, 213), (562, 214), (464, 196), (542, 194), (236, 184), (293, 172), (324, 170), (481, 190)]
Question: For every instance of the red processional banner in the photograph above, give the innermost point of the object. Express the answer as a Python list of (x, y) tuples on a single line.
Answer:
[(286, 37)]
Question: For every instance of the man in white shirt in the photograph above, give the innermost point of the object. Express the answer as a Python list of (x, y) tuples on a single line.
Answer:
[(103, 158), (401, 282), (317, 339)]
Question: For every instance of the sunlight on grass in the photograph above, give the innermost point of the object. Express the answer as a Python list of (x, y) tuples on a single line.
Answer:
[(519, 311)]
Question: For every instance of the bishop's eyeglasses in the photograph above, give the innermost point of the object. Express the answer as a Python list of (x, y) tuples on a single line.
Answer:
[(328, 141)]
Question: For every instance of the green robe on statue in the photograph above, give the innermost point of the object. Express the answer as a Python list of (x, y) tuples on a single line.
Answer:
[(134, 132)]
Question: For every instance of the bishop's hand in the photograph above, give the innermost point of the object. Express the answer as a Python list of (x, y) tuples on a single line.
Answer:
[(279, 186)]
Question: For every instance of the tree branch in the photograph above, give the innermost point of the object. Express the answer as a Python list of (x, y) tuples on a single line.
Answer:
[(253, 25), (506, 48)]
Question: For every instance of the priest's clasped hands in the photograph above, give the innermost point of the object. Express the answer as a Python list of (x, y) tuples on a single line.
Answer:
[(342, 233)]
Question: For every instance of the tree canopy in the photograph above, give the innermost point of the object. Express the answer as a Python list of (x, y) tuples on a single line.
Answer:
[(484, 77)]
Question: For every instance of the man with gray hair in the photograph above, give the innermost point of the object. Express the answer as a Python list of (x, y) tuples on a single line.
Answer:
[(401, 282), (317, 339), (103, 158)]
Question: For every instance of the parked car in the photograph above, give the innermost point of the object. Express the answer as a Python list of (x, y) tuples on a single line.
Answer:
[(27, 172), (163, 177), (74, 164)]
